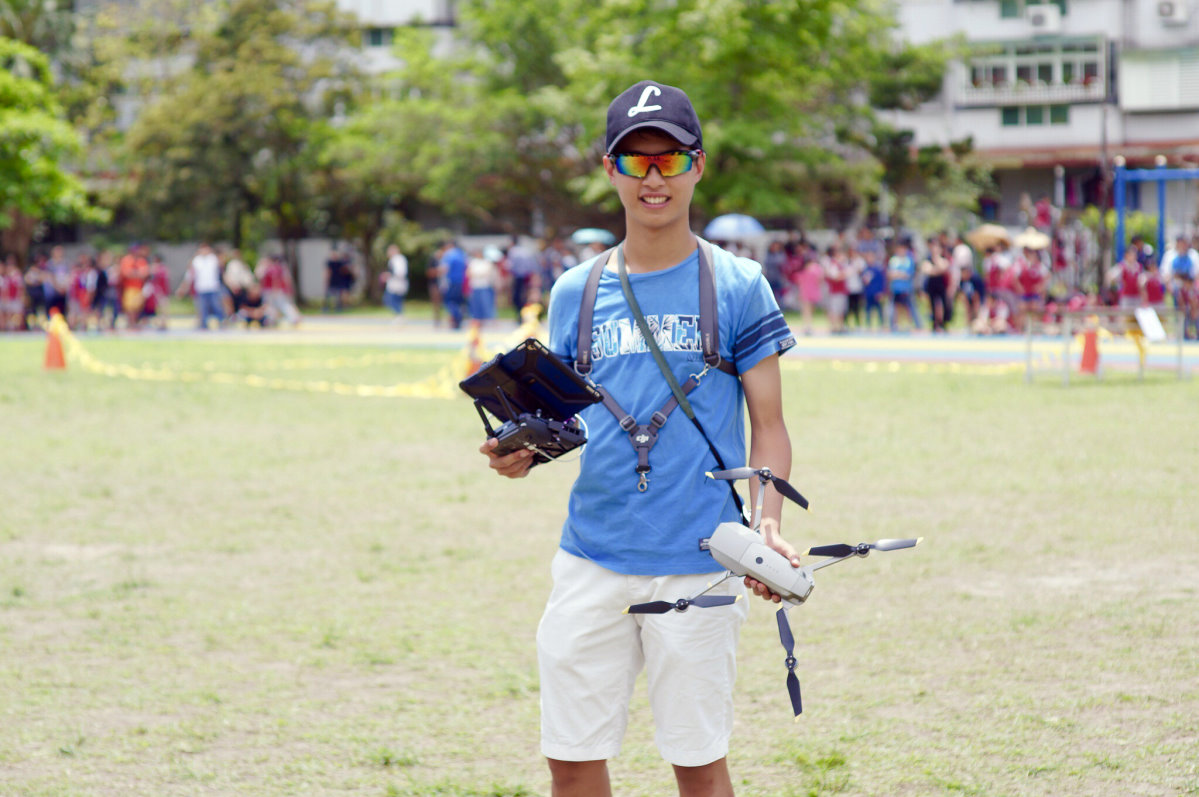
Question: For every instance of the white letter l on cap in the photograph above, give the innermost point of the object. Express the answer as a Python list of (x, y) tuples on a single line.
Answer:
[(641, 107)]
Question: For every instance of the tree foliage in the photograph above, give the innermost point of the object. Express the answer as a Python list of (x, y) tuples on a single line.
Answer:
[(36, 146), (782, 88), (240, 93)]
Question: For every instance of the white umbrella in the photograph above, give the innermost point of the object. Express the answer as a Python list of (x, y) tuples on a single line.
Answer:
[(592, 235), (733, 227), (1032, 238)]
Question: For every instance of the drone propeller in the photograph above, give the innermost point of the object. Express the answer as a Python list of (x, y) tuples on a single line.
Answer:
[(789, 645), (840, 550), (763, 474), (662, 607)]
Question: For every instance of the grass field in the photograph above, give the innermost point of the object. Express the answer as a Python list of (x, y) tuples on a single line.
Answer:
[(211, 588)]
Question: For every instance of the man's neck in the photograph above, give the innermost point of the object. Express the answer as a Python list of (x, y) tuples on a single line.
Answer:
[(647, 251)]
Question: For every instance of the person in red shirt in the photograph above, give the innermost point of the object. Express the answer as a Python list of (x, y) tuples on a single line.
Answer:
[(155, 292), (277, 289), (1030, 279), (12, 295), (1153, 290), (133, 273), (837, 282), (1128, 280)]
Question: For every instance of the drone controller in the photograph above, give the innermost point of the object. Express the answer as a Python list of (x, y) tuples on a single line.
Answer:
[(546, 438), (741, 551), (536, 397)]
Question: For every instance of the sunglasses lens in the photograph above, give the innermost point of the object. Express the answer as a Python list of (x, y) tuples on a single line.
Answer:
[(670, 164)]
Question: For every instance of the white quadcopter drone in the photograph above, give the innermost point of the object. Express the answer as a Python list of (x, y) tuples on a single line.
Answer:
[(741, 550)]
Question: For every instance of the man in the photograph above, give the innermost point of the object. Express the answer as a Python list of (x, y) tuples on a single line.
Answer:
[(1180, 265), (452, 268), (204, 276), (339, 279), (523, 266), (57, 283), (237, 278), (133, 271), (395, 281), (626, 540), (278, 291), (901, 274)]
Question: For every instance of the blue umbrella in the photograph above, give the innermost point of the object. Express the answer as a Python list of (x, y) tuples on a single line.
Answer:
[(592, 235), (733, 226)]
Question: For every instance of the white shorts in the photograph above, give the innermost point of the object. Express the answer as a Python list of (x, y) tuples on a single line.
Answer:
[(590, 653)]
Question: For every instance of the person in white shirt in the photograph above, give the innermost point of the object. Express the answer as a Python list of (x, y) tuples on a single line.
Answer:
[(395, 280), (482, 277), (1180, 265), (204, 276), (237, 278)]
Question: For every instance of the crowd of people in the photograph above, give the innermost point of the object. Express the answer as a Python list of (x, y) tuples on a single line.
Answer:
[(130, 289), (472, 285), (860, 281), (93, 291)]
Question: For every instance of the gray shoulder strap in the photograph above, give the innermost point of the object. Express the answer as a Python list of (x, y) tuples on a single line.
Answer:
[(587, 313), (709, 317)]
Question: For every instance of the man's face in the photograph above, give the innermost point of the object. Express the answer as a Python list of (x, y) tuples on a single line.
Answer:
[(654, 201)]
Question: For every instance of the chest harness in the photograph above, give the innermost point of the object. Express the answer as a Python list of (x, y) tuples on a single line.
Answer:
[(643, 436)]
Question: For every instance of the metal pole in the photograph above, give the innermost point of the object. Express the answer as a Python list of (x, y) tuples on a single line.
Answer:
[(1161, 218), (1069, 325), (1028, 352), (1180, 330), (1120, 185)]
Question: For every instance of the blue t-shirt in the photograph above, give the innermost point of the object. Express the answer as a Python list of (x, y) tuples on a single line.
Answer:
[(875, 279), (905, 265), (455, 265), (657, 532)]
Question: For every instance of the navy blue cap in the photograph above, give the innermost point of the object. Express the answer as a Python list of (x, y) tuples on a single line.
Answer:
[(648, 104)]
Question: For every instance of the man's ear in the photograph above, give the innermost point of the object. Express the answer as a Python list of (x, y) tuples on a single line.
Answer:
[(610, 168), (700, 163)]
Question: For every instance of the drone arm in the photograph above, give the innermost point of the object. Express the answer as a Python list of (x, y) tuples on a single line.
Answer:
[(828, 562)]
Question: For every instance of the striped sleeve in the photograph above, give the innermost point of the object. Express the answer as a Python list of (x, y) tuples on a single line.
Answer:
[(763, 332)]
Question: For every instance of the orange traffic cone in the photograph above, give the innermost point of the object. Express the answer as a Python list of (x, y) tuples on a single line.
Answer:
[(54, 357), (1090, 352)]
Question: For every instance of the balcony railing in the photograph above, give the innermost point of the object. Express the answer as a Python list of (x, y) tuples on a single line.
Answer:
[(1031, 93)]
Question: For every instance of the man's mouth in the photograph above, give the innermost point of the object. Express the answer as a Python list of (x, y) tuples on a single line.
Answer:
[(655, 200)]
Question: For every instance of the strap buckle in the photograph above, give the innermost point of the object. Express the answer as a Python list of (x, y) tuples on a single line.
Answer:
[(642, 482), (701, 374)]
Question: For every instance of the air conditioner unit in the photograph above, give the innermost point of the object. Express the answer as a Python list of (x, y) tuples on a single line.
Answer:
[(1173, 12), (1047, 17)]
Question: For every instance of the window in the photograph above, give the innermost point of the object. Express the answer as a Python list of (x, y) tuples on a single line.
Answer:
[(1011, 9), (1028, 64), (1034, 115), (378, 37)]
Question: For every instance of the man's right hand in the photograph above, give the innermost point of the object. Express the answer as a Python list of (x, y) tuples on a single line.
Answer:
[(515, 465)]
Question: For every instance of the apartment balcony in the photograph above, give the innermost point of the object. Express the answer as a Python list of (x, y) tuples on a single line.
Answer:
[(1036, 93)]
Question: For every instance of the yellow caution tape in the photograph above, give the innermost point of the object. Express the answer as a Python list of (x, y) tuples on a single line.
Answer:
[(441, 385)]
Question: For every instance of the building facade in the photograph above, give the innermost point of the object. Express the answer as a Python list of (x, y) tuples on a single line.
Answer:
[(1050, 92)]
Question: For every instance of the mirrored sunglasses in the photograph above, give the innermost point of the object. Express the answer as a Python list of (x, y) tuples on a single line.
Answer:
[(670, 164)]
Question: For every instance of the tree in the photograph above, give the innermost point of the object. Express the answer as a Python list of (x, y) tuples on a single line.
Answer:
[(782, 87), (45, 25), (238, 99), (36, 146)]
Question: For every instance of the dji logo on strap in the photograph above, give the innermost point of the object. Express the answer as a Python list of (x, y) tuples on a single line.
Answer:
[(641, 107)]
